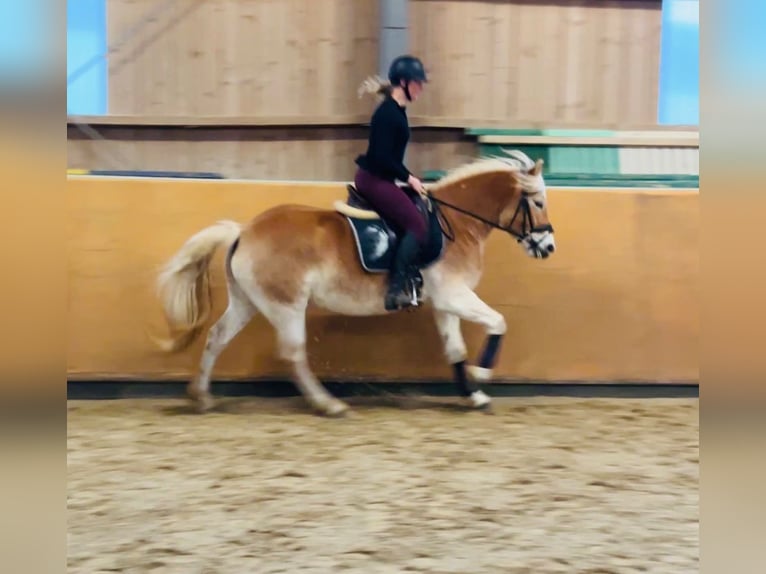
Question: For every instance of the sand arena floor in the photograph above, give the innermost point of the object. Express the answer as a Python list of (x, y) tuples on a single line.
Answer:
[(415, 485)]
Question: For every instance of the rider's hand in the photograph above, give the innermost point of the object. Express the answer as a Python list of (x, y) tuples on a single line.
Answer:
[(416, 184)]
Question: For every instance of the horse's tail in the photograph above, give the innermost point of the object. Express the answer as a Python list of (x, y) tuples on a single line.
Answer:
[(183, 284)]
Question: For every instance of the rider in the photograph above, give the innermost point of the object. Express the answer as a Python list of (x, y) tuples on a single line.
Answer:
[(383, 164)]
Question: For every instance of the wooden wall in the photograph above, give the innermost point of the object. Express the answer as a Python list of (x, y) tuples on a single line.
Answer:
[(282, 75), (626, 309), (284, 153), (565, 62), (576, 62), (241, 57)]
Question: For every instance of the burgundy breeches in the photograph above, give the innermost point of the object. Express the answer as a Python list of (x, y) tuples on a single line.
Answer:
[(392, 203)]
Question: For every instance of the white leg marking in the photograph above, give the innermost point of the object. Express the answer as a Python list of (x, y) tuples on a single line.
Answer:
[(290, 324), (480, 399), (465, 304), (455, 351), (448, 326), (238, 314), (481, 374)]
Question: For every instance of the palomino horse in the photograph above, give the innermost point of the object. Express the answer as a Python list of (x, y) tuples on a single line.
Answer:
[(291, 256)]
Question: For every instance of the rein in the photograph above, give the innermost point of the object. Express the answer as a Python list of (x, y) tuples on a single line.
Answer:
[(527, 227)]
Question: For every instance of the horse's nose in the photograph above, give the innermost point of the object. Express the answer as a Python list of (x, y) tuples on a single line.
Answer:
[(551, 248)]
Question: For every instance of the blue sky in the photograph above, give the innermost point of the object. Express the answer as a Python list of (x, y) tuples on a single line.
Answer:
[(25, 56), (740, 28), (679, 63), (86, 38)]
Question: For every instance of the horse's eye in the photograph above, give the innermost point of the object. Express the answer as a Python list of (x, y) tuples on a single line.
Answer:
[(539, 204)]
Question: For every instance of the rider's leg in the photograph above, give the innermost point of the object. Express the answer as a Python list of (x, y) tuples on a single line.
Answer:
[(402, 269), (397, 208)]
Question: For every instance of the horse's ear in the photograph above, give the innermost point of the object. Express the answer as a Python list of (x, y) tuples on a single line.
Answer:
[(538, 169)]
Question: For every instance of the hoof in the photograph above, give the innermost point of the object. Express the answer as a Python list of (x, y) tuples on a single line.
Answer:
[(480, 401), (336, 410), (203, 403)]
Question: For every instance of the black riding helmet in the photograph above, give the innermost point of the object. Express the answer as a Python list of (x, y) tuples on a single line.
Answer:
[(409, 69)]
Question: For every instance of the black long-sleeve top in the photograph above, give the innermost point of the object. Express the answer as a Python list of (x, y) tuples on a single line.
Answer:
[(389, 134)]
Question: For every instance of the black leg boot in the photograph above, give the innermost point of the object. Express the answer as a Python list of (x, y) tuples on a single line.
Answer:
[(404, 261)]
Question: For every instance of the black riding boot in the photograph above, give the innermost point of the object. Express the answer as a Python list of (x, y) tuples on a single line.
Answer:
[(401, 271)]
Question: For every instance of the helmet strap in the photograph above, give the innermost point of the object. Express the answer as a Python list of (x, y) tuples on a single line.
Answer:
[(407, 91)]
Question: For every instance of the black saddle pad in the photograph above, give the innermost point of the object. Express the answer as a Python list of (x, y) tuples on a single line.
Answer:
[(376, 241)]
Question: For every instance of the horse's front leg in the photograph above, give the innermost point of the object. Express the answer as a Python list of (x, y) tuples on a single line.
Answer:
[(465, 304), (448, 325)]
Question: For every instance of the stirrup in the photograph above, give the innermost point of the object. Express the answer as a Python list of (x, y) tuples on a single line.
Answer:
[(416, 278), (413, 294), (404, 297), (412, 290), (398, 300), (415, 283)]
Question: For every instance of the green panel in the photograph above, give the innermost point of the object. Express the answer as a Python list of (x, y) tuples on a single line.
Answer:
[(586, 159), (432, 175), (501, 132), (565, 159), (573, 165), (533, 151), (539, 132), (622, 180)]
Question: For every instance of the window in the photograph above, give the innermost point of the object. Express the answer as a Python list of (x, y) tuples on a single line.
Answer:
[(87, 70), (679, 63), (25, 46)]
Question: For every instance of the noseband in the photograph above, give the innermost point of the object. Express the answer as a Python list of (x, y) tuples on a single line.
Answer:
[(522, 209)]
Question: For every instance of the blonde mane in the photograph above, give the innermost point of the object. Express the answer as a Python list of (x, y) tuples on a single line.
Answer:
[(515, 161)]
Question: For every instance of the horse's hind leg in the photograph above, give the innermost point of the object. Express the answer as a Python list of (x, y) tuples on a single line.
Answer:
[(238, 313), (314, 391), (289, 321)]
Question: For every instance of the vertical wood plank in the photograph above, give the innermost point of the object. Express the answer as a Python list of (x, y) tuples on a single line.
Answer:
[(512, 60), (521, 61)]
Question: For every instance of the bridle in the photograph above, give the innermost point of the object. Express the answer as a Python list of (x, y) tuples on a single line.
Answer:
[(522, 209)]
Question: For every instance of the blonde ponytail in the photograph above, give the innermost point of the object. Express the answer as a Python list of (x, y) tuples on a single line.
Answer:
[(375, 85)]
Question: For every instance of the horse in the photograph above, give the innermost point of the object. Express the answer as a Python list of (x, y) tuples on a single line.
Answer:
[(291, 256)]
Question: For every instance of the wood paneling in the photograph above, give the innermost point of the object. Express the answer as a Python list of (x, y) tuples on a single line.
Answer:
[(241, 57), (567, 63), (499, 63), (256, 153), (624, 310), (575, 62)]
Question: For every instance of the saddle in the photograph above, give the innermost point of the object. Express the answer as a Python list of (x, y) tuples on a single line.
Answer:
[(376, 240), (356, 200)]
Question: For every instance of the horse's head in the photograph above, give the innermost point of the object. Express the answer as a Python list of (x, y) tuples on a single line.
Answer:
[(506, 193), (525, 216)]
